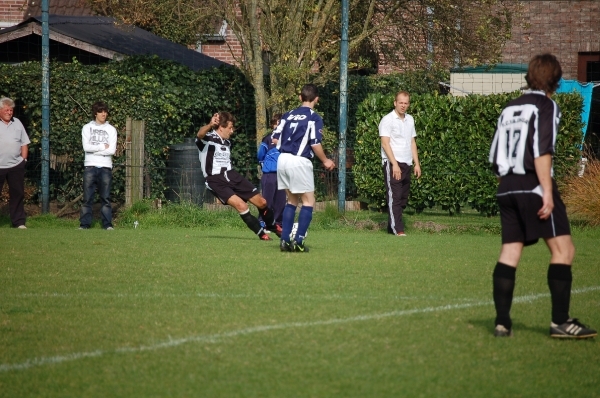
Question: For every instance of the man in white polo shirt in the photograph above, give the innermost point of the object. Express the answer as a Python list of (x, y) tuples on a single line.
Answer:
[(13, 158), (398, 152)]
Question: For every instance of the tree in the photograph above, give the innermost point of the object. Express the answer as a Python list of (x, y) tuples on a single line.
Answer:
[(298, 40), (180, 21)]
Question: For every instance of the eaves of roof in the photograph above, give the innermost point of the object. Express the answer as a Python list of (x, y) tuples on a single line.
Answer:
[(105, 36)]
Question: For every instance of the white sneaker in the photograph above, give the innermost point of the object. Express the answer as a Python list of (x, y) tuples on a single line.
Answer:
[(110, 229), (21, 227)]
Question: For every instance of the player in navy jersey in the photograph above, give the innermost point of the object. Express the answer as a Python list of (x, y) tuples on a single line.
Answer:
[(529, 201), (227, 184), (300, 135)]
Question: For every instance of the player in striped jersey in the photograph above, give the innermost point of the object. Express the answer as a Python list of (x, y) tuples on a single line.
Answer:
[(227, 184), (530, 204), (300, 135)]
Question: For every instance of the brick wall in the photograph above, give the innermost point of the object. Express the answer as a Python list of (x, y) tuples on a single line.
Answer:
[(564, 28), (12, 11), (223, 50), (229, 51)]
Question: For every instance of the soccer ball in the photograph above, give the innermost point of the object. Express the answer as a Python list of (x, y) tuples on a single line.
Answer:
[(294, 230)]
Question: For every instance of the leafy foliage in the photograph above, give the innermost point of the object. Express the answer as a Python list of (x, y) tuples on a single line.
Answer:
[(359, 88), (173, 100), (453, 137), (176, 20)]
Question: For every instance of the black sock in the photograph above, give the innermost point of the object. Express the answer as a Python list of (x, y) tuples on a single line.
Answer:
[(267, 216), (252, 223), (559, 282), (504, 285)]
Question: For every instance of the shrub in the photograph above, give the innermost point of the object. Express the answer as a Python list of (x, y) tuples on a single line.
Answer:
[(582, 194), (173, 100), (453, 137)]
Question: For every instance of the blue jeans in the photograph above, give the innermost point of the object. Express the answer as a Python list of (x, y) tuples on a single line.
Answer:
[(100, 178)]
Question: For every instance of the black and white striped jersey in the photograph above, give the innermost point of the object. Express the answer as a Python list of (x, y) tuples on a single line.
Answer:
[(526, 130), (215, 154)]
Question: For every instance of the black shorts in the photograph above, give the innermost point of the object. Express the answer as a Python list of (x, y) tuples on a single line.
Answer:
[(519, 198), (230, 183)]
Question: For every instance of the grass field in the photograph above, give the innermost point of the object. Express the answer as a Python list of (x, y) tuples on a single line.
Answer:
[(214, 312)]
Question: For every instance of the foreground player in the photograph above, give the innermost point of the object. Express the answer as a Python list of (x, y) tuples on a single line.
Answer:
[(227, 184), (300, 140), (529, 201)]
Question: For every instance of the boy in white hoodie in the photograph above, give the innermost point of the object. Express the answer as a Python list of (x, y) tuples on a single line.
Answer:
[(99, 140)]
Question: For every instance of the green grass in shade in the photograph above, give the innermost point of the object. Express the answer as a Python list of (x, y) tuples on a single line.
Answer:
[(202, 308)]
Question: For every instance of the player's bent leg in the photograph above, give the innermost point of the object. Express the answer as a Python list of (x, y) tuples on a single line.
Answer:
[(252, 222), (259, 201), (266, 213), (254, 225), (237, 203), (562, 249)]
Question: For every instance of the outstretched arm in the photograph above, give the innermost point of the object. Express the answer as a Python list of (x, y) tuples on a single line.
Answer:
[(214, 123)]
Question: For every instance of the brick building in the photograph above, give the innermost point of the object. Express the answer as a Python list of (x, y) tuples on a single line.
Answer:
[(223, 45), (13, 12), (568, 29)]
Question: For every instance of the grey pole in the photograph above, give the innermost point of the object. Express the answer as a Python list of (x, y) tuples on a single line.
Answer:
[(343, 108), (45, 109)]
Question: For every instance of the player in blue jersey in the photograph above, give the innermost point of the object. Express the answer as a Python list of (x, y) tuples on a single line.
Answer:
[(300, 135), (267, 157)]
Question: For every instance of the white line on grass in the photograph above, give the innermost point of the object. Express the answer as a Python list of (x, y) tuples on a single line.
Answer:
[(231, 296), (264, 328)]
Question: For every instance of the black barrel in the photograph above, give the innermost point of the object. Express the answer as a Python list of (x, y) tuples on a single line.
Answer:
[(184, 178)]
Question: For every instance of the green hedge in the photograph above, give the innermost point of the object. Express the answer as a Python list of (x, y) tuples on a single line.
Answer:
[(360, 87), (173, 100), (453, 136)]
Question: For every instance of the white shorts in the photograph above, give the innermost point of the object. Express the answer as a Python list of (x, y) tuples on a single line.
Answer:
[(295, 173)]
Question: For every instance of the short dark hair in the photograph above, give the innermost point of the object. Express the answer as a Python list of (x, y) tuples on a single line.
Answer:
[(544, 73), (225, 118), (275, 118), (309, 93), (98, 107)]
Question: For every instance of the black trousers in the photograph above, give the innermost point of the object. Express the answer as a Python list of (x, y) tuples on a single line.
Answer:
[(396, 195), (15, 177)]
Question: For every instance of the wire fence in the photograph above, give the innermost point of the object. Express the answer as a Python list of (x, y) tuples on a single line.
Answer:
[(567, 28), (176, 184)]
